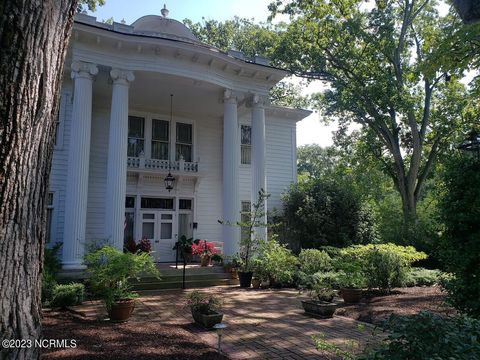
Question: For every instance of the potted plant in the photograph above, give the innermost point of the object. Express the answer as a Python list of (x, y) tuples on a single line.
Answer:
[(231, 264), (184, 247), (110, 273), (205, 250), (322, 302), (259, 274), (351, 281), (249, 243), (217, 259), (205, 309)]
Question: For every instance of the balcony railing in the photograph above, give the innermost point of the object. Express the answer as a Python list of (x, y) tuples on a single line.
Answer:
[(142, 163)]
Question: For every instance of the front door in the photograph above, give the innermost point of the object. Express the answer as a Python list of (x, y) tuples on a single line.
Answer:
[(158, 227)]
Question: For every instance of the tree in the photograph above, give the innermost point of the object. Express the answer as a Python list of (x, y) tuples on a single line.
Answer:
[(33, 41), (390, 69), (315, 161)]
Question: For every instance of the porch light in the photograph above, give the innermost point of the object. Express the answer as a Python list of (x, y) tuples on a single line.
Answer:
[(471, 144), (169, 182)]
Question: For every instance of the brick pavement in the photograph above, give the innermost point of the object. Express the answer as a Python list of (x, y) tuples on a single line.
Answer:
[(262, 324)]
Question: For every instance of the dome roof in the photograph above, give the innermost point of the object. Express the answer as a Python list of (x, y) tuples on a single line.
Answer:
[(161, 26)]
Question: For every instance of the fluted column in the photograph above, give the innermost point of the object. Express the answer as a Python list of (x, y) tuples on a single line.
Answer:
[(258, 161), (117, 158), (78, 166), (231, 160)]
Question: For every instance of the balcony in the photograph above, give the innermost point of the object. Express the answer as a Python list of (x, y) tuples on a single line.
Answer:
[(142, 164)]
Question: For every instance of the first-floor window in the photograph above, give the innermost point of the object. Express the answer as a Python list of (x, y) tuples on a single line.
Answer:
[(48, 234), (129, 224), (245, 218)]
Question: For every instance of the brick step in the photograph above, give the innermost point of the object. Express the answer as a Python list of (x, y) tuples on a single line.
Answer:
[(147, 288), (179, 277)]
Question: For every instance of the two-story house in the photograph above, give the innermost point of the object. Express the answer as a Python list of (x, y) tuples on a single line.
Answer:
[(160, 135)]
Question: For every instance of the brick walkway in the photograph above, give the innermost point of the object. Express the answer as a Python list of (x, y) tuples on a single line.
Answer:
[(262, 324)]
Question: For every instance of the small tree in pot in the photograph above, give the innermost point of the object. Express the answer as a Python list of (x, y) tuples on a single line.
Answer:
[(351, 280), (322, 302), (110, 272), (205, 309)]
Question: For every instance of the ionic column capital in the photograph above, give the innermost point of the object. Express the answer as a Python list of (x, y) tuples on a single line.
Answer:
[(232, 96), (123, 77), (257, 101), (82, 69)]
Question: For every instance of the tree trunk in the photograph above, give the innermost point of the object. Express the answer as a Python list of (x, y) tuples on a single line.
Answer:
[(33, 41)]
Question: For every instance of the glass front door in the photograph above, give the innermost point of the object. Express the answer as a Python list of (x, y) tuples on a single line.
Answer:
[(158, 227)]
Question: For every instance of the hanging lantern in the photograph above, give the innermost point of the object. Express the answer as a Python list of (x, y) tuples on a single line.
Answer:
[(169, 182)]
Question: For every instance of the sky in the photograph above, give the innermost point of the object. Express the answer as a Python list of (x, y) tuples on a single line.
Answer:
[(309, 130)]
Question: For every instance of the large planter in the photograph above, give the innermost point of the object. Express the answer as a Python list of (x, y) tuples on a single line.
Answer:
[(207, 320), (121, 310), (351, 296), (319, 308), (205, 261), (245, 278)]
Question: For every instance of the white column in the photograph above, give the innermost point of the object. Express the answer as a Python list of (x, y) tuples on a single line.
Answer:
[(117, 158), (231, 160), (258, 161), (78, 166)]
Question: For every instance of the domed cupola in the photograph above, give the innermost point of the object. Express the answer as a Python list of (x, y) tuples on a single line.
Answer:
[(162, 26)]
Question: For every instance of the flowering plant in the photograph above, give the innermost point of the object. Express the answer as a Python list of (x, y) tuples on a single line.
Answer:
[(203, 248), (143, 245), (204, 303)]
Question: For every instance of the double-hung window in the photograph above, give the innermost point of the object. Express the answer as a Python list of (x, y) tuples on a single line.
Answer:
[(245, 144), (184, 143), (160, 139), (136, 136), (245, 217)]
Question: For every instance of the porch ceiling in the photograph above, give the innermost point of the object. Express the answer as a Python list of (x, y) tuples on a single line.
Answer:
[(151, 92)]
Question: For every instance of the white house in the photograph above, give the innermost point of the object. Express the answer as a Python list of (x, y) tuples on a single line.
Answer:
[(144, 100)]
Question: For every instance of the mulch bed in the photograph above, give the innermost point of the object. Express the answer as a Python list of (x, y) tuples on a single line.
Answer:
[(131, 340), (376, 307)]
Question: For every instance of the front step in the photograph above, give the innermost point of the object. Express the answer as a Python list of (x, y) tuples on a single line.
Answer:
[(172, 278)]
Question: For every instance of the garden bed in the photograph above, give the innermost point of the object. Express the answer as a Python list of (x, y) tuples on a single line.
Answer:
[(376, 307), (131, 340)]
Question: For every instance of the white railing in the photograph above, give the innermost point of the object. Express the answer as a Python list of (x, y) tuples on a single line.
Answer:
[(142, 163)]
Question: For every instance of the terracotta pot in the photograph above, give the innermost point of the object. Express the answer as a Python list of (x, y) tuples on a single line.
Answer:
[(351, 296), (121, 310), (207, 320), (205, 261), (256, 283), (319, 308), (234, 274)]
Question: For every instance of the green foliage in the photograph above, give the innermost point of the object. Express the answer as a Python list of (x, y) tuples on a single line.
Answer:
[(110, 271), (318, 212), (460, 246), (316, 161), (91, 5), (427, 336), (389, 68), (313, 260), (329, 279), (345, 353), (204, 303), (68, 295), (51, 267), (276, 261), (408, 254), (423, 277), (384, 269)]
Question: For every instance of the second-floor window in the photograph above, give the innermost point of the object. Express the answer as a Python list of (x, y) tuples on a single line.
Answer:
[(136, 136), (246, 144), (184, 144), (160, 139)]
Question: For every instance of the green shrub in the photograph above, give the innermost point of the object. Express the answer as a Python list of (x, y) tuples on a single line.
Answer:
[(427, 336), (407, 254), (51, 267), (460, 244), (320, 212), (384, 269), (68, 295), (278, 262), (328, 279), (313, 260), (422, 277)]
